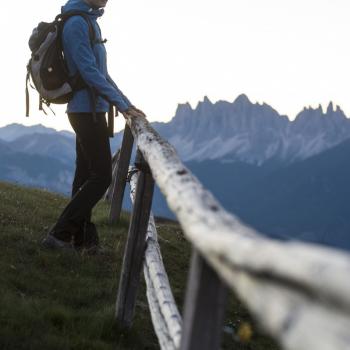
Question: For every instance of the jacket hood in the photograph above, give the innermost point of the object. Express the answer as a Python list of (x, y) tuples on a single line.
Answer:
[(81, 5)]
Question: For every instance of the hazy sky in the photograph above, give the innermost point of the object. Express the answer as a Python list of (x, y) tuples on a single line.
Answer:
[(288, 53)]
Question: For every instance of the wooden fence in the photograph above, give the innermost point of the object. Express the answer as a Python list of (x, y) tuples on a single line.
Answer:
[(298, 292)]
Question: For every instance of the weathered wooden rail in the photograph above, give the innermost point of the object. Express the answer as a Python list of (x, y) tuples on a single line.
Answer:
[(298, 292)]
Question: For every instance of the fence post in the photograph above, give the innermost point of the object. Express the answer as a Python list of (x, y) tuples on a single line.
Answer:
[(205, 305), (108, 195), (121, 175), (135, 246)]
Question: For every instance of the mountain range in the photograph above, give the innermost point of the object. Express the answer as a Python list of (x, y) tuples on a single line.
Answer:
[(252, 133), (286, 178)]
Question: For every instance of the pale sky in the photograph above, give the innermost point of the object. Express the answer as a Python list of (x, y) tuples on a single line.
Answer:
[(287, 53)]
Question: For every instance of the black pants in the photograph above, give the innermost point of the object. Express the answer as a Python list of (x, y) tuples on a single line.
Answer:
[(93, 174)]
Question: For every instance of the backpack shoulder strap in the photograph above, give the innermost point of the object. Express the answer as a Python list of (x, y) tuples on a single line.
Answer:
[(65, 16)]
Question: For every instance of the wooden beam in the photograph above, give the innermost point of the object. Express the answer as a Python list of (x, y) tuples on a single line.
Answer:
[(165, 315), (121, 177), (135, 249), (205, 305), (108, 195)]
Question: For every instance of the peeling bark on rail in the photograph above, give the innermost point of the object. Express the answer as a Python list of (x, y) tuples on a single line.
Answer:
[(164, 312), (160, 328), (248, 261)]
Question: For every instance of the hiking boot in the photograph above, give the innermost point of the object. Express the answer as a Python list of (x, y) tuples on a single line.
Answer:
[(88, 239), (51, 242), (93, 250)]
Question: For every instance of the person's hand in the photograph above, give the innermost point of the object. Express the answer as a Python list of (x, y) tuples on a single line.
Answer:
[(133, 112), (138, 111)]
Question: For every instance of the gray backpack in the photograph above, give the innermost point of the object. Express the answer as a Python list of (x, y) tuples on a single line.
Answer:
[(47, 69)]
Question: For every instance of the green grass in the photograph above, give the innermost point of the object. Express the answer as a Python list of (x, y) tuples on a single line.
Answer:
[(62, 300)]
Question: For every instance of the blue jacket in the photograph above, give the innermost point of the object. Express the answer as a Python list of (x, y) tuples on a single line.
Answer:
[(90, 62)]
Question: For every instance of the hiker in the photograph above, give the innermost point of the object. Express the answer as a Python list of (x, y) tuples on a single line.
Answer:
[(86, 115)]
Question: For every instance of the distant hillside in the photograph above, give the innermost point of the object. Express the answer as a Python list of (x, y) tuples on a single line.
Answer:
[(37, 156), (13, 131), (35, 170), (54, 145), (308, 200), (60, 300)]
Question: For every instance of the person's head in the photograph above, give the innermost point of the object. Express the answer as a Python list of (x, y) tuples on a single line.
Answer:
[(96, 4)]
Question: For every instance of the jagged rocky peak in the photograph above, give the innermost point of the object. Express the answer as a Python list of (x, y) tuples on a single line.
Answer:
[(309, 112), (204, 105), (242, 99), (183, 111), (206, 100), (242, 106), (183, 107), (330, 108), (337, 112)]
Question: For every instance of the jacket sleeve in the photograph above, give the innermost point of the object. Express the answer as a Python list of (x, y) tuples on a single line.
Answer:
[(76, 40)]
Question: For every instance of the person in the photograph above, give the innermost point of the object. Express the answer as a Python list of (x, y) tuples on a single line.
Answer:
[(87, 117)]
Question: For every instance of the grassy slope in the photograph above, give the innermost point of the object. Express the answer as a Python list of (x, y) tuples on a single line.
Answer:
[(60, 300)]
